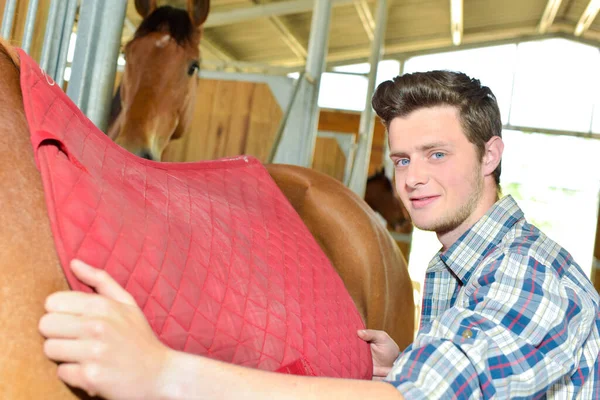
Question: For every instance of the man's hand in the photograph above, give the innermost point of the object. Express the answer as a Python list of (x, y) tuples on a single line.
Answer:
[(383, 350), (103, 341)]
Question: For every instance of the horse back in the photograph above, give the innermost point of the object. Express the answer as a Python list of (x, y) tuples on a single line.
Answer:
[(362, 251)]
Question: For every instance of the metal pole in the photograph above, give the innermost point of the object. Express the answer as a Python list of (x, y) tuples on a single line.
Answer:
[(284, 119), (298, 142), (61, 62), (52, 37), (8, 17), (388, 164), (360, 169), (29, 25), (95, 61)]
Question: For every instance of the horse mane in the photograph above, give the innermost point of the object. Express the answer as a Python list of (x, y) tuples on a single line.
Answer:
[(8, 51), (173, 21)]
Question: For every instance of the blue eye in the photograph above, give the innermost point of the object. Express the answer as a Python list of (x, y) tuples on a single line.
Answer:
[(438, 155), (403, 162)]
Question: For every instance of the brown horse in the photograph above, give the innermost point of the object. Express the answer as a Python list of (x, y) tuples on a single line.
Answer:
[(365, 256), (381, 197), (173, 37)]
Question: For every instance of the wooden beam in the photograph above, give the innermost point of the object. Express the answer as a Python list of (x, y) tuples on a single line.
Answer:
[(366, 17), (549, 15), (264, 10), (215, 49), (441, 44), (286, 34), (588, 16)]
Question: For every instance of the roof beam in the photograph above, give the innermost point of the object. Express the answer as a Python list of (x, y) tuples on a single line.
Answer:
[(549, 15), (587, 17), (364, 13), (286, 34), (456, 21), (263, 11), (216, 50)]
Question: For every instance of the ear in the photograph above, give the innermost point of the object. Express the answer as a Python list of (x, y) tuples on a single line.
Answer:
[(198, 11), (493, 155), (145, 7)]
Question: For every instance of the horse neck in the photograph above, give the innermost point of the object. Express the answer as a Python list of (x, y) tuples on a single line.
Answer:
[(26, 276)]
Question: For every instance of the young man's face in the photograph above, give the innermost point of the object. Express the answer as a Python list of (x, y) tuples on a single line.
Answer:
[(438, 172)]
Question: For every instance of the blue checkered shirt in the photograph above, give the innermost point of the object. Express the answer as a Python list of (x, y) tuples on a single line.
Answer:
[(507, 313)]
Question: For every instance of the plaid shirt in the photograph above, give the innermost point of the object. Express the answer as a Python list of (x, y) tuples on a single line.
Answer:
[(507, 313)]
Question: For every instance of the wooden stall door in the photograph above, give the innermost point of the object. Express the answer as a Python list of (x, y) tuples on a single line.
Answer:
[(231, 118)]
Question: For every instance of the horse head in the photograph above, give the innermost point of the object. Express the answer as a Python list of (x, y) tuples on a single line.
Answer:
[(155, 101), (382, 198)]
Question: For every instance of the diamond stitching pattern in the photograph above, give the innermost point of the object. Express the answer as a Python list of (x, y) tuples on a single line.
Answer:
[(213, 252)]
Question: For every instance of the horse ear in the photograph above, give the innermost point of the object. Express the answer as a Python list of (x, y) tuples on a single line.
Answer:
[(145, 7), (198, 10)]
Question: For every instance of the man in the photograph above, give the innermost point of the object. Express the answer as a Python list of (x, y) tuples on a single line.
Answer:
[(506, 311)]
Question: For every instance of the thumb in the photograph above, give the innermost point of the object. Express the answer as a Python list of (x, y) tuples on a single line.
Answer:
[(368, 335), (373, 336), (101, 281)]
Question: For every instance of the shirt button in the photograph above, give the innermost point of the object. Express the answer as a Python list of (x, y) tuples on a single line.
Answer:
[(467, 334)]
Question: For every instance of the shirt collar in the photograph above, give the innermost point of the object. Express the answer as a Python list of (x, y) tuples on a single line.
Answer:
[(479, 240)]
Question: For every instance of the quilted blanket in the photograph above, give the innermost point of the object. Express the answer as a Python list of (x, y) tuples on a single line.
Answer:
[(214, 254)]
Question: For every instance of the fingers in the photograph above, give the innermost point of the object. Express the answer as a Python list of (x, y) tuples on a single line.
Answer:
[(60, 326), (70, 351), (74, 375), (101, 281), (77, 303)]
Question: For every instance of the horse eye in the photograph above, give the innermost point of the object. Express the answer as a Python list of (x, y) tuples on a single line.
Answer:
[(194, 67)]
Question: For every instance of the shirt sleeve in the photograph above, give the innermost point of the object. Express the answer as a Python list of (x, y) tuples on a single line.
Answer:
[(514, 331)]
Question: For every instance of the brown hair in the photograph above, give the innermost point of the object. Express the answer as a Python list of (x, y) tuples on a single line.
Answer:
[(477, 105)]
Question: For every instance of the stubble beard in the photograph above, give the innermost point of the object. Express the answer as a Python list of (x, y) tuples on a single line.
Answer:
[(454, 218)]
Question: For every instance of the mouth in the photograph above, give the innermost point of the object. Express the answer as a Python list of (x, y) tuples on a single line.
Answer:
[(423, 201)]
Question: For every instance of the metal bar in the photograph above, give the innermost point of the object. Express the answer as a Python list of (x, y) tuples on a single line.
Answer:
[(8, 17), (298, 142), (52, 37), (49, 38), (95, 61), (67, 30), (29, 25), (360, 167), (315, 64), (284, 119), (266, 10)]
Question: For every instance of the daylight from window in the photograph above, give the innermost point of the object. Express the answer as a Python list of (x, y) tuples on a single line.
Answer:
[(541, 86)]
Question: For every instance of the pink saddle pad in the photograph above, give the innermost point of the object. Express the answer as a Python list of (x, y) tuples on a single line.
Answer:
[(213, 252)]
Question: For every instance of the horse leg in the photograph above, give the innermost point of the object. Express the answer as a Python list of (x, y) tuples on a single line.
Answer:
[(29, 268)]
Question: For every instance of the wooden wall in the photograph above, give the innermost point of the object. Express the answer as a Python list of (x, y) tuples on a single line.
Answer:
[(231, 118), (329, 158), (349, 122)]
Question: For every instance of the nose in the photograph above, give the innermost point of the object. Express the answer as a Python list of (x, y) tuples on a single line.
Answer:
[(145, 153), (416, 175)]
